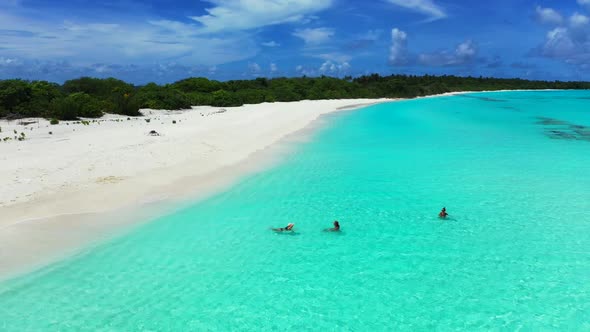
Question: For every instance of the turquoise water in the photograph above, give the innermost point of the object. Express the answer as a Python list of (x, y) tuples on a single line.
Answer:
[(513, 170)]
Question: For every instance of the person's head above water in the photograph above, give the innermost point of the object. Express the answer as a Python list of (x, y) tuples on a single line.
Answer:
[(444, 209), (336, 224)]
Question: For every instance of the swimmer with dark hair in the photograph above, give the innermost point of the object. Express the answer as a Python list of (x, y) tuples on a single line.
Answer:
[(289, 228), (443, 213), (336, 227)]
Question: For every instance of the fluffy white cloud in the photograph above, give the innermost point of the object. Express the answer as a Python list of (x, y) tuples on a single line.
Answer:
[(569, 43), (86, 43), (331, 68), (314, 36), (303, 70), (254, 68), (569, 40), (559, 44), (238, 15), (399, 54), (398, 51), (548, 16), (463, 54), (578, 20), (426, 7), (466, 50), (274, 68)]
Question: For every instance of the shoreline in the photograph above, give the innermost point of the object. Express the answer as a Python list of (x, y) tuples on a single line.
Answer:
[(69, 216), (66, 216)]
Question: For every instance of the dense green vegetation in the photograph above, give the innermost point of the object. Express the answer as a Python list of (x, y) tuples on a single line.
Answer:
[(92, 97)]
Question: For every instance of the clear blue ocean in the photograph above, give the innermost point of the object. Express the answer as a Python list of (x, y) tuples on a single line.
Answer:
[(512, 168)]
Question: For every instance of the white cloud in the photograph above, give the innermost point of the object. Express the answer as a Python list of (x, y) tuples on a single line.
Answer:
[(466, 50), (578, 20), (569, 41), (238, 15), (271, 43), (303, 70), (314, 36), (399, 55), (559, 44), (86, 43), (398, 51), (332, 68), (9, 61), (548, 16), (426, 7), (335, 57), (254, 68), (329, 67), (463, 54), (273, 68)]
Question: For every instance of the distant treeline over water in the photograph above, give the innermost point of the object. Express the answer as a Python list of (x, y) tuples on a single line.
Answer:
[(92, 97)]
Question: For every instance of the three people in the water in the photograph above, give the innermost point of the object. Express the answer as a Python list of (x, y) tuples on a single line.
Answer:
[(289, 228)]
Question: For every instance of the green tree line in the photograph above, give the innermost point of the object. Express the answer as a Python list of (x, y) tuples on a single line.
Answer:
[(92, 97)]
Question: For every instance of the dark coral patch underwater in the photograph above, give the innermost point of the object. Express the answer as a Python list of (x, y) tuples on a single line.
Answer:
[(558, 129)]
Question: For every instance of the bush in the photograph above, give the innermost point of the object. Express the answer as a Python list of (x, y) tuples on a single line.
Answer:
[(88, 107), (54, 121), (125, 104), (222, 98), (96, 87), (77, 105), (14, 93), (157, 97)]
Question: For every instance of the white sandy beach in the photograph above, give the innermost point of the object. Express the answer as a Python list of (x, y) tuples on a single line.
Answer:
[(58, 188)]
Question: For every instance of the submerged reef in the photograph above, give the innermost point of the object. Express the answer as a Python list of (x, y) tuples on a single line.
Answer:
[(559, 129)]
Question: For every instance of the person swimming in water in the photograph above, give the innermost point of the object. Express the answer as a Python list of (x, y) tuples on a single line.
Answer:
[(289, 228), (336, 227), (443, 213)]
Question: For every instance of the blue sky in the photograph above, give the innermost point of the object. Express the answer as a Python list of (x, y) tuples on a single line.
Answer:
[(166, 40)]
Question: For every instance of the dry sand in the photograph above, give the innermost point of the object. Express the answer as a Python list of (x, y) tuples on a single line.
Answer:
[(69, 188)]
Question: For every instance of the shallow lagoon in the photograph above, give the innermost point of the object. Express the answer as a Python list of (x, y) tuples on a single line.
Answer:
[(512, 168)]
